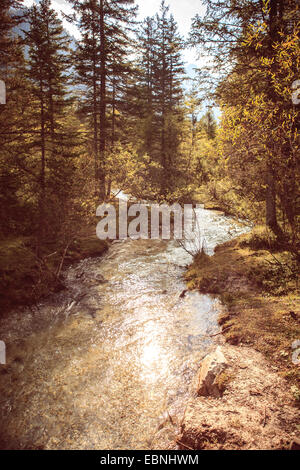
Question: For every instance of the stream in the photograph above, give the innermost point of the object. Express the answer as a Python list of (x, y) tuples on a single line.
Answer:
[(107, 363)]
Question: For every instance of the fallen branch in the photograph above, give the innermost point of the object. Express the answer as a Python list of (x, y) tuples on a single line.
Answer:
[(51, 254), (184, 445), (220, 332), (183, 293), (170, 418), (62, 259), (265, 417)]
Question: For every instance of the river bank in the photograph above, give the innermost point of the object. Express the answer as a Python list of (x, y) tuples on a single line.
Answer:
[(26, 278), (256, 410), (261, 321), (263, 305)]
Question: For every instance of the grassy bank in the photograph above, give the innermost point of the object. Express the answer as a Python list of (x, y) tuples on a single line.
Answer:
[(259, 288), (26, 278)]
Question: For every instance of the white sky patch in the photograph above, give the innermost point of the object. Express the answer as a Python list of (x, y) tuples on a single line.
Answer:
[(183, 12), (59, 6)]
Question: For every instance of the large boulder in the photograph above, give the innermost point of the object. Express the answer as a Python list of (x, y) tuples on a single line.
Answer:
[(212, 366)]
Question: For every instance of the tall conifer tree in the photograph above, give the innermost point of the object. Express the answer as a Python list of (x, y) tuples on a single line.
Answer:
[(100, 60), (161, 74), (49, 59)]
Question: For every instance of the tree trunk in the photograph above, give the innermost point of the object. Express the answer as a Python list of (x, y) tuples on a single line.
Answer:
[(50, 95), (113, 131), (95, 116), (271, 217), (42, 195), (163, 125), (102, 104)]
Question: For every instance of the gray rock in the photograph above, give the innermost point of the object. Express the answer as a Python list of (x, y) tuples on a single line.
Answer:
[(212, 366)]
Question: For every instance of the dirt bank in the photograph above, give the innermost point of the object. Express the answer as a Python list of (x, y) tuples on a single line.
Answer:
[(261, 321), (256, 410)]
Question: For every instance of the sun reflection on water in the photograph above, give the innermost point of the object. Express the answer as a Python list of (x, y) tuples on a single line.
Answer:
[(153, 358), (103, 377)]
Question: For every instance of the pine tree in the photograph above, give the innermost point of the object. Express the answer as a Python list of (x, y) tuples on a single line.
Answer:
[(161, 92), (145, 90), (100, 60), (12, 122), (10, 17), (49, 59), (209, 124)]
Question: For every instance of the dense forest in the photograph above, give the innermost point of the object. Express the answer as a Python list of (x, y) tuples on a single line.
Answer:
[(115, 110)]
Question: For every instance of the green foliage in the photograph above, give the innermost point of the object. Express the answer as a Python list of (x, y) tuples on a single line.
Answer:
[(124, 122), (257, 174), (25, 278), (19, 271), (102, 64), (159, 99), (13, 254)]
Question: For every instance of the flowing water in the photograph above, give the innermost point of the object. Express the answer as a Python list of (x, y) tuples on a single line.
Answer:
[(107, 364)]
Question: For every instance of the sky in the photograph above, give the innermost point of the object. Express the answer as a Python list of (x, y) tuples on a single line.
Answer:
[(183, 11)]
